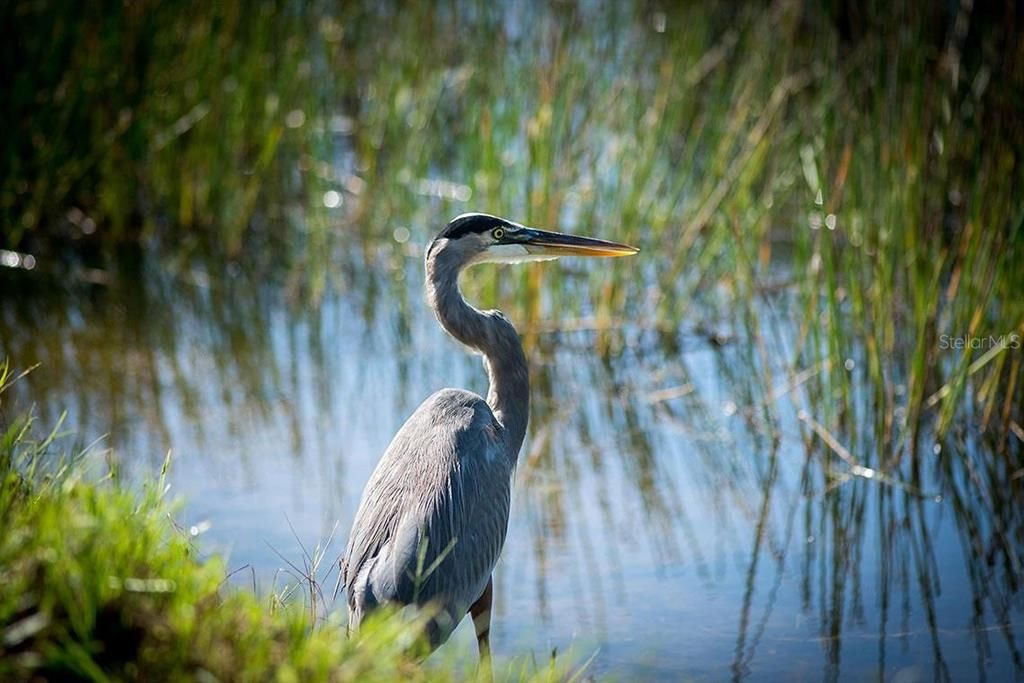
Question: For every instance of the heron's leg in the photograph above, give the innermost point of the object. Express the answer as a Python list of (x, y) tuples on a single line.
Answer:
[(481, 613)]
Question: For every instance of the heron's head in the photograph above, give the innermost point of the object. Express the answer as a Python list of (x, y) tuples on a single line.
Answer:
[(481, 238)]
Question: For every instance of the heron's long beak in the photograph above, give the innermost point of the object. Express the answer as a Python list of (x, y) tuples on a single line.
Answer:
[(542, 242)]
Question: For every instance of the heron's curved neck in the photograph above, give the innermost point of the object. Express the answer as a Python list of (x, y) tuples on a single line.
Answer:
[(490, 333)]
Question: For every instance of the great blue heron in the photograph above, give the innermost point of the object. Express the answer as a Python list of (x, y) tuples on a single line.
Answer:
[(433, 517)]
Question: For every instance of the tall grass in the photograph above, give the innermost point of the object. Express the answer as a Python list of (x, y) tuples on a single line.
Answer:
[(882, 146)]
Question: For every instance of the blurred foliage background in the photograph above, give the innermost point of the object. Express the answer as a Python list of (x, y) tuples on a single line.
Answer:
[(870, 151)]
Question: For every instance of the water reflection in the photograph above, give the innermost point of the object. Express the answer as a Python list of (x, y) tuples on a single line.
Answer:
[(672, 511)]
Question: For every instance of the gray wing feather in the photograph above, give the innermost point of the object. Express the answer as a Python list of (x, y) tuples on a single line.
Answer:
[(434, 514)]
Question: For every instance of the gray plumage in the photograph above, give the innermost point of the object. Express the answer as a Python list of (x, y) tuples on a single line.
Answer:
[(442, 488), (433, 517)]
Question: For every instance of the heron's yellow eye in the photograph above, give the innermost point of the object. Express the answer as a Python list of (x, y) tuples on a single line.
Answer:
[(498, 233)]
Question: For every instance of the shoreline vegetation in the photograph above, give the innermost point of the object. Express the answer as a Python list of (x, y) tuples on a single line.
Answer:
[(100, 585)]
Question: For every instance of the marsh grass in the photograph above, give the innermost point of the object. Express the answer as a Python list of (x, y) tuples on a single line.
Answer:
[(874, 158)]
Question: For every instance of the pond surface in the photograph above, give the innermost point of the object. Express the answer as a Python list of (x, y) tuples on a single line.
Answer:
[(670, 515)]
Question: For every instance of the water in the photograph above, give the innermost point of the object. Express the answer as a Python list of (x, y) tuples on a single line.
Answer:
[(660, 523)]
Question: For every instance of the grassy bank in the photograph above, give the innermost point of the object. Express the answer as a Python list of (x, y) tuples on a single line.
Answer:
[(99, 585)]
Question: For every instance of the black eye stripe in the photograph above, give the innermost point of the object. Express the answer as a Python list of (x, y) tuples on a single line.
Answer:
[(479, 223)]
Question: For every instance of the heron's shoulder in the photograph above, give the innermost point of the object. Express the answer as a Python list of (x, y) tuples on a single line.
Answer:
[(456, 397), (451, 420), (456, 405)]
